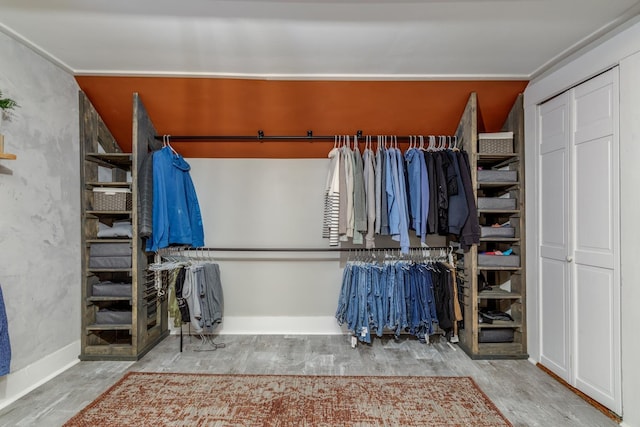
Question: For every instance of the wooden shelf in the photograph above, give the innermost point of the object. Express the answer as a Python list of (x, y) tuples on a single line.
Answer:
[(500, 324), (97, 214), (500, 239), (499, 211), (498, 294), (109, 327), (108, 299), (498, 184), (7, 156), (110, 160), (94, 184), (110, 240)]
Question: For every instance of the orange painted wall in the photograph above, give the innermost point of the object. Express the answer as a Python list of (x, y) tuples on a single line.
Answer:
[(208, 106)]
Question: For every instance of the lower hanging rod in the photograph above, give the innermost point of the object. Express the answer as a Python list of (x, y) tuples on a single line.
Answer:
[(211, 249)]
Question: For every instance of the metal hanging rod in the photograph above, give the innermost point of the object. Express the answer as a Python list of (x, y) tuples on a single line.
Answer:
[(260, 136), (210, 249)]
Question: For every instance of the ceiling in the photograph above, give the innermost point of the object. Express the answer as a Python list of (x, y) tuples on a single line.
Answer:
[(307, 39)]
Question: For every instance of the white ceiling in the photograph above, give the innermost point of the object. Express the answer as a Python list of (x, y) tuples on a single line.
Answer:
[(352, 39)]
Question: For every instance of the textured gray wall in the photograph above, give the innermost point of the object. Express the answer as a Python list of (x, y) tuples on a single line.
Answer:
[(39, 206)]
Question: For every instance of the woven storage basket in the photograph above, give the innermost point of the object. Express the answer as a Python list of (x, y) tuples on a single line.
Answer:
[(495, 143), (111, 199)]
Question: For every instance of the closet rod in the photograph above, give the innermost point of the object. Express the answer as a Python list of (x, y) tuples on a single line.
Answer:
[(210, 249), (260, 136)]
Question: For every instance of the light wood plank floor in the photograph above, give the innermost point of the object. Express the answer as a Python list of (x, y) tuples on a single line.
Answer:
[(525, 395)]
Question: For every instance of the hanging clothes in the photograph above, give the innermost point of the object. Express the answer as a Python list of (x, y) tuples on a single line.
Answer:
[(198, 296), (402, 296), (5, 344), (176, 211), (332, 200), (388, 193)]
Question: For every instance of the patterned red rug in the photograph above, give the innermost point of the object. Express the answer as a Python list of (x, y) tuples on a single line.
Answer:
[(171, 399)]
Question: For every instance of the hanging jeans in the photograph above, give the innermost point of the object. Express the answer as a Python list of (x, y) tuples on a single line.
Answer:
[(399, 296)]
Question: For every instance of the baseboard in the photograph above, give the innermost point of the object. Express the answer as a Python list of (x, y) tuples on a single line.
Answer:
[(275, 325), (18, 383)]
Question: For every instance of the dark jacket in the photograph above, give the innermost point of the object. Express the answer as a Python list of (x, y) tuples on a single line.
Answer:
[(470, 234)]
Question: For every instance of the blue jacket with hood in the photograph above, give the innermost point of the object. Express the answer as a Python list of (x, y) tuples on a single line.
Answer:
[(176, 212)]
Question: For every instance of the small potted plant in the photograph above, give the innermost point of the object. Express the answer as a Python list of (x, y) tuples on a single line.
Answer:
[(6, 106)]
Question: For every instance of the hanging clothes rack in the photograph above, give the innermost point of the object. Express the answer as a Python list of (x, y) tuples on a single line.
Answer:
[(261, 137)]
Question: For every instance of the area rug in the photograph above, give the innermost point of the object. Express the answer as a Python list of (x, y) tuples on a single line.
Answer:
[(172, 399)]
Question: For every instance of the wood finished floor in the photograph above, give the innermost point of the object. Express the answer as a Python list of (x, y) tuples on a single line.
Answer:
[(525, 395)]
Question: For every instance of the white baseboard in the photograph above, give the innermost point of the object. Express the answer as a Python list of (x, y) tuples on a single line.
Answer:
[(275, 325), (18, 383)]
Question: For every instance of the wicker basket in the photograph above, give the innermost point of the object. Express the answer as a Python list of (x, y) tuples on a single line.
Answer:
[(111, 199), (495, 143)]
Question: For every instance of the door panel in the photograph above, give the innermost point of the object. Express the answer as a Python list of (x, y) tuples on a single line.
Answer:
[(554, 234), (594, 222), (553, 185), (554, 328), (596, 234), (594, 313)]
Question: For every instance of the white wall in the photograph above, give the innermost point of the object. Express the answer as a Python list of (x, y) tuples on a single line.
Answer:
[(39, 219), (617, 49), (266, 203)]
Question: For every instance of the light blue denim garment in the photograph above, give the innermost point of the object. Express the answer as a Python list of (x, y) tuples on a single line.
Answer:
[(402, 322), (412, 157), (345, 292), (424, 198), (363, 327), (431, 296), (378, 190), (392, 191), (384, 206), (378, 294), (403, 208)]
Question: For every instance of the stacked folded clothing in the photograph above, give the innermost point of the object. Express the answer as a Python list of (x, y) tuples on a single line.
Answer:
[(110, 255), (110, 289)]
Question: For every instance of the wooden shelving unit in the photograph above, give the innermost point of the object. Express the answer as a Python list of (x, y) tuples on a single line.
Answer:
[(508, 290), (100, 157)]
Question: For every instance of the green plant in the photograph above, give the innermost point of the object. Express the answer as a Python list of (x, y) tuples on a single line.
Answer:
[(7, 104)]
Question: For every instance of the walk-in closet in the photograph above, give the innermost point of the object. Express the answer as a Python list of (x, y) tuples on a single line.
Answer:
[(319, 213)]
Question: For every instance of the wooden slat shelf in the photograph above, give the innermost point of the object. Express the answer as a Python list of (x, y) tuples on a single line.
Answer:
[(110, 240), (109, 327), (499, 294), (8, 156), (499, 211), (500, 324), (120, 184), (499, 239), (108, 299), (109, 270), (97, 214), (498, 184), (110, 160), (489, 268)]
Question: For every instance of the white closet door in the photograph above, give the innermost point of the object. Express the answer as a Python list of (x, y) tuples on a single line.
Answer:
[(554, 236), (595, 242)]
